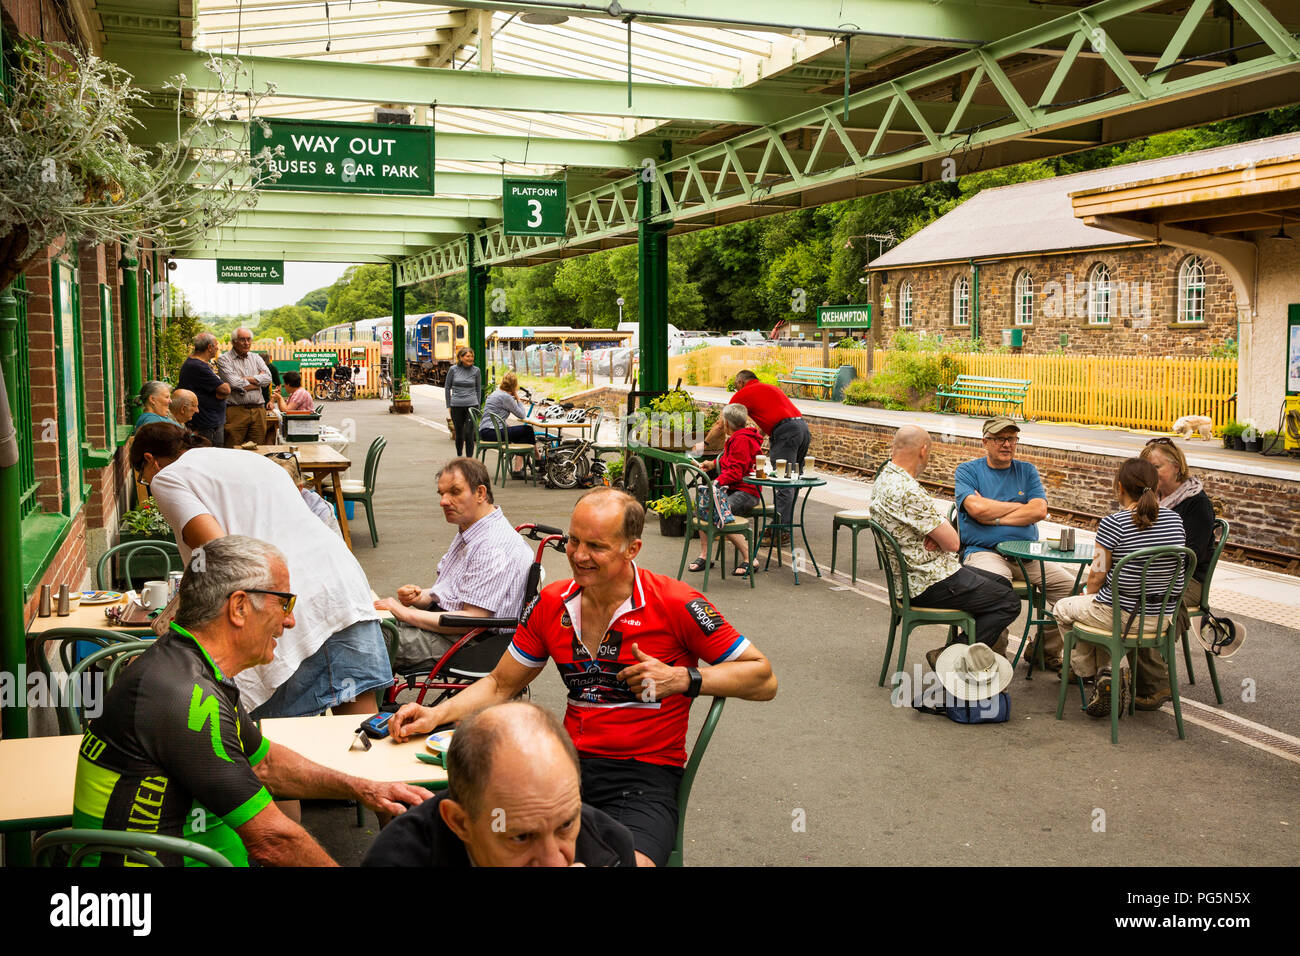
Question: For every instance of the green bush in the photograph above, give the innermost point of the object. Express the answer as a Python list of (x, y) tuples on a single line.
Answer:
[(862, 391), (668, 505), (1233, 429), (768, 373)]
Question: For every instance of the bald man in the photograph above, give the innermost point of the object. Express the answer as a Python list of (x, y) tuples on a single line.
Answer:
[(930, 544), (183, 405), (246, 374), (513, 799)]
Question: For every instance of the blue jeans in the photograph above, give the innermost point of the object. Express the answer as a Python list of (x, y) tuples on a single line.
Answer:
[(350, 663)]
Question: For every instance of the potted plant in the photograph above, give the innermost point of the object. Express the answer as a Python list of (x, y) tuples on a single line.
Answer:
[(1232, 435), (145, 523), (669, 422), (1272, 442), (614, 471), (1252, 439), (672, 514)]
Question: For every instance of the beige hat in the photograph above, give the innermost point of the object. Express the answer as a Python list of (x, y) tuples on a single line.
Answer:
[(998, 424), (1220, 636), (972, 671)]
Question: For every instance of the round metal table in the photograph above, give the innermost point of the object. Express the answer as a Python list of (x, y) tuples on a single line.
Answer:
[(1040, 551), (805, 484)]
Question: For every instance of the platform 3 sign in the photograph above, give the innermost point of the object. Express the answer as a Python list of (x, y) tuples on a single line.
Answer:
[(325, 156), (262, 271), (844, 316), (534, 207)]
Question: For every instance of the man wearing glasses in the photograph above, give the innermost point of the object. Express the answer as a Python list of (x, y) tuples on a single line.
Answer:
[(176, 753), (1002, 499), (246, 374)]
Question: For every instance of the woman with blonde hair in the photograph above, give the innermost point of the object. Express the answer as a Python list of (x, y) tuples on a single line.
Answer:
[(503, 403), (464, 391)]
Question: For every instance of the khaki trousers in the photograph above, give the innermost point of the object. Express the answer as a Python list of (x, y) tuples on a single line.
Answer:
[(245, 423), (1060, 584), (1086, 659), (1152, 671)]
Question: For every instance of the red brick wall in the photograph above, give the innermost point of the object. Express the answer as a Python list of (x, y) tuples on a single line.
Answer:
[(68, 567), (36, 18), (1144, 285)]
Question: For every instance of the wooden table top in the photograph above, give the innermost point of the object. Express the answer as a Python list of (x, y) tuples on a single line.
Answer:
[(539, 423), (312, 455), (88, 616)]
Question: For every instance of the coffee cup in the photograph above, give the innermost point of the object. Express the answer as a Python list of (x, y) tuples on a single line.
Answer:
[(154, 595)]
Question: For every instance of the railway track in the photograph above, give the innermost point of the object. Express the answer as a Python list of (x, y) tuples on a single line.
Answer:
[(1236, 553)]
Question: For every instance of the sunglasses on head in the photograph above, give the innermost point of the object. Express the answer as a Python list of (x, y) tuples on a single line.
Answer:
[(1160, 441)]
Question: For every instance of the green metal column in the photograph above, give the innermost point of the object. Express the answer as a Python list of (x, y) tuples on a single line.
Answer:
[(131, 335), (398, 361), (652, 291), (477, 278), (13, 651)]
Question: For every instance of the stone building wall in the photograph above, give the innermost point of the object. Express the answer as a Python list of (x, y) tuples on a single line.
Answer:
[(1144, 319)]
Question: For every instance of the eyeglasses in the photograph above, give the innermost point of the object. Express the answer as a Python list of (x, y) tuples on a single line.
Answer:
[(287, 600), (1011, 440), (1162, 440)]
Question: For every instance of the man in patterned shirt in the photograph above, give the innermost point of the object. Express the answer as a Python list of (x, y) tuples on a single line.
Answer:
[(483, 573), (930, 544)]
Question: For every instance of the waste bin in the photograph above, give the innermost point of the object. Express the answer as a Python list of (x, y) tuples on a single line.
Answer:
[(301, 427), (844, 375)]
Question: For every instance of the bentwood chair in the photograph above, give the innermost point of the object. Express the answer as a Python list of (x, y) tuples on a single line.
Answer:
[(164, 553), (697, 486), (113, 657), (1155, 627), (688, 775), (903, 615), (1221, 538), (140, 849)]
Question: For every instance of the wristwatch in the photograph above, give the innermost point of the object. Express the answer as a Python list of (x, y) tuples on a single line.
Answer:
[(693, 689), (997, 521)]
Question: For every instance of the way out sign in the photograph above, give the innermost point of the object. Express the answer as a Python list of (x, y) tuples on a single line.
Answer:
[(264, 271), (844, 316), (534, 207), (324, 156)]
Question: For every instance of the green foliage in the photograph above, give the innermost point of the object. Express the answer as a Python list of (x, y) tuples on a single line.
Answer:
[(1233, 429), (1227, 349), (848, 343), (863, 391), (146, 519), (366, 292), (294, 322), (316, 300), (614, 468), (668, 505)]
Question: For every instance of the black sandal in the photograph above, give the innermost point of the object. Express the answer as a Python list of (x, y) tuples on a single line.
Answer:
[(697, 565), (745, 570)]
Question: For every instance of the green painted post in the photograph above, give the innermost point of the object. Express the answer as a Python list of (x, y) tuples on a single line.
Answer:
[(13, 652), (652, 292), (398, 361), (131, 335), (477, 278)]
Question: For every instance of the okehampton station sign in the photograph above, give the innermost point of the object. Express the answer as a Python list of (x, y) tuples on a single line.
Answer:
[(324, 156)]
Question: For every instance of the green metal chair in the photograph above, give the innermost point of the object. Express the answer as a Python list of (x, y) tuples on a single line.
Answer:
[(1162, 634), (507, 450), (364, 490), (855, 521), (483, 445), (70, 642), (688, 775), (1221, 529), (128, 551), (140, 849), (902, 615), (113, 656), (694, 482)]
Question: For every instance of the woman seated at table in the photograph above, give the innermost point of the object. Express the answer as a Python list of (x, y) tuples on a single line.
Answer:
[(1184, 495), (155, 398), (503, 403), (736, 461), (299, 399), (1142, 523)]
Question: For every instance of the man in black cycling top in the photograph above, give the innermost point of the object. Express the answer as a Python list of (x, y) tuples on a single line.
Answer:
[(175, 753)]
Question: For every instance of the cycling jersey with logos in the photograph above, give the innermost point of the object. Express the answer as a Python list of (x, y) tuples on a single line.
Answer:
[(173, 753), (667, 620)]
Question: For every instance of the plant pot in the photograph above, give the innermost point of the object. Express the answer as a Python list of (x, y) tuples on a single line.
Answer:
[(1255, 446), (1238, 444), (672, 526)]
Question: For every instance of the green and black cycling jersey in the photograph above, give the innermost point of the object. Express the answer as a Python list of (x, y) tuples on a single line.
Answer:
[(172, 753)]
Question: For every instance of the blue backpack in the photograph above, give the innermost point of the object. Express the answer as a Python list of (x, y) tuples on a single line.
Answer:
[(994, 710)]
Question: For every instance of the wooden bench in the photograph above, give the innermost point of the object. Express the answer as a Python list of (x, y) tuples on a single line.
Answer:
[(978, 388), (812, 377)]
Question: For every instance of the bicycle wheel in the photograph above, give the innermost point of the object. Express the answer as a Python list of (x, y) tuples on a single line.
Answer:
[(347, 392), (567, 469), (323, 393)]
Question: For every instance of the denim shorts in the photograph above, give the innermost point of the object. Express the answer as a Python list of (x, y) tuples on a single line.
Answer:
[(351, 662)]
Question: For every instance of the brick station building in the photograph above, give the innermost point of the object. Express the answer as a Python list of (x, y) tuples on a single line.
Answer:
[(1017, 257)]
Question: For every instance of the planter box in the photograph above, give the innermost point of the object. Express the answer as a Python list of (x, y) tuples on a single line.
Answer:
[(672, 526), (149, 566)]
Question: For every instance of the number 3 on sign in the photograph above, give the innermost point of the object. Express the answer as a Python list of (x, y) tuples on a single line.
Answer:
[(535, 207)]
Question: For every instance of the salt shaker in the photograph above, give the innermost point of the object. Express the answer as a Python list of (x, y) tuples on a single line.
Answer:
[(44, 609), (65, 602)]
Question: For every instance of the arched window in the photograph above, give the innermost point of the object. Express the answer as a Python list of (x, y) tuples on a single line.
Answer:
[(905, 306), (1191, 290), (1100, 299), (1024, 297), (961, 301)]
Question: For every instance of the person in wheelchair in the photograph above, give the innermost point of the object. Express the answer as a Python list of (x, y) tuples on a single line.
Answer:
[(626, 643), (483, 573)]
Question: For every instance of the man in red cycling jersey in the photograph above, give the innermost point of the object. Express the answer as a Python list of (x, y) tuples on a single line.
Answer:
[(626, 643)]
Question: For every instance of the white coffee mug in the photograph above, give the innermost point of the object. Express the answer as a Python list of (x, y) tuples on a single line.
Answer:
[(154, 595)]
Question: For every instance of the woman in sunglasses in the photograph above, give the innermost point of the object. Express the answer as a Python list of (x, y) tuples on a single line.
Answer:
[(334, 656)]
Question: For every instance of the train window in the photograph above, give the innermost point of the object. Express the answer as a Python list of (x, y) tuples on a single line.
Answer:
[(444, 335)]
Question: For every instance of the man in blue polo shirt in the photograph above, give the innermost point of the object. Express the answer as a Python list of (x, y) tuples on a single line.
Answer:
[(1001, 499)]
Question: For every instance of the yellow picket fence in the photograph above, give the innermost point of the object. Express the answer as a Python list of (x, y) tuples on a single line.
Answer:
[(1109, 390), (369, 361)]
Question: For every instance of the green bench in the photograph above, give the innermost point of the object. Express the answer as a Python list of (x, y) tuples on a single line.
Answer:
[(812, 377), (978, 388)]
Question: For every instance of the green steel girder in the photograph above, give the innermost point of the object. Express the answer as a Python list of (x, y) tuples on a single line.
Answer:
[(361, 222), (687, 193), (289, 253), (378, 237), (381, 83), (379, 207)]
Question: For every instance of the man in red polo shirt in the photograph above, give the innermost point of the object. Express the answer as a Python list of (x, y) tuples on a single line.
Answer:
[(778, 419), (626, 643)]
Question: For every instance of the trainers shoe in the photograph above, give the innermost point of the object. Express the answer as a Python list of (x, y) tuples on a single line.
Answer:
[(1152, 700), (1099, 702)]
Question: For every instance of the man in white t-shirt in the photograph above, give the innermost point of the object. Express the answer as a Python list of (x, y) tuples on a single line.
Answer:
[(334, 656)]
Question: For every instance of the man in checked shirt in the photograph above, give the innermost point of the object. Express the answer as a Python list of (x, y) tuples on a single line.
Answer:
[(483, 573)]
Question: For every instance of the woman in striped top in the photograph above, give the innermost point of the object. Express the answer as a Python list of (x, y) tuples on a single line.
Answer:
[(1141, 523)]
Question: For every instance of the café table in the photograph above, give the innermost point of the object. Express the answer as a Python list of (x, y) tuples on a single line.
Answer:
[(545, 427), (320, 461), (1042, 551), (38, 774), (88, 617), (804, 484)]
